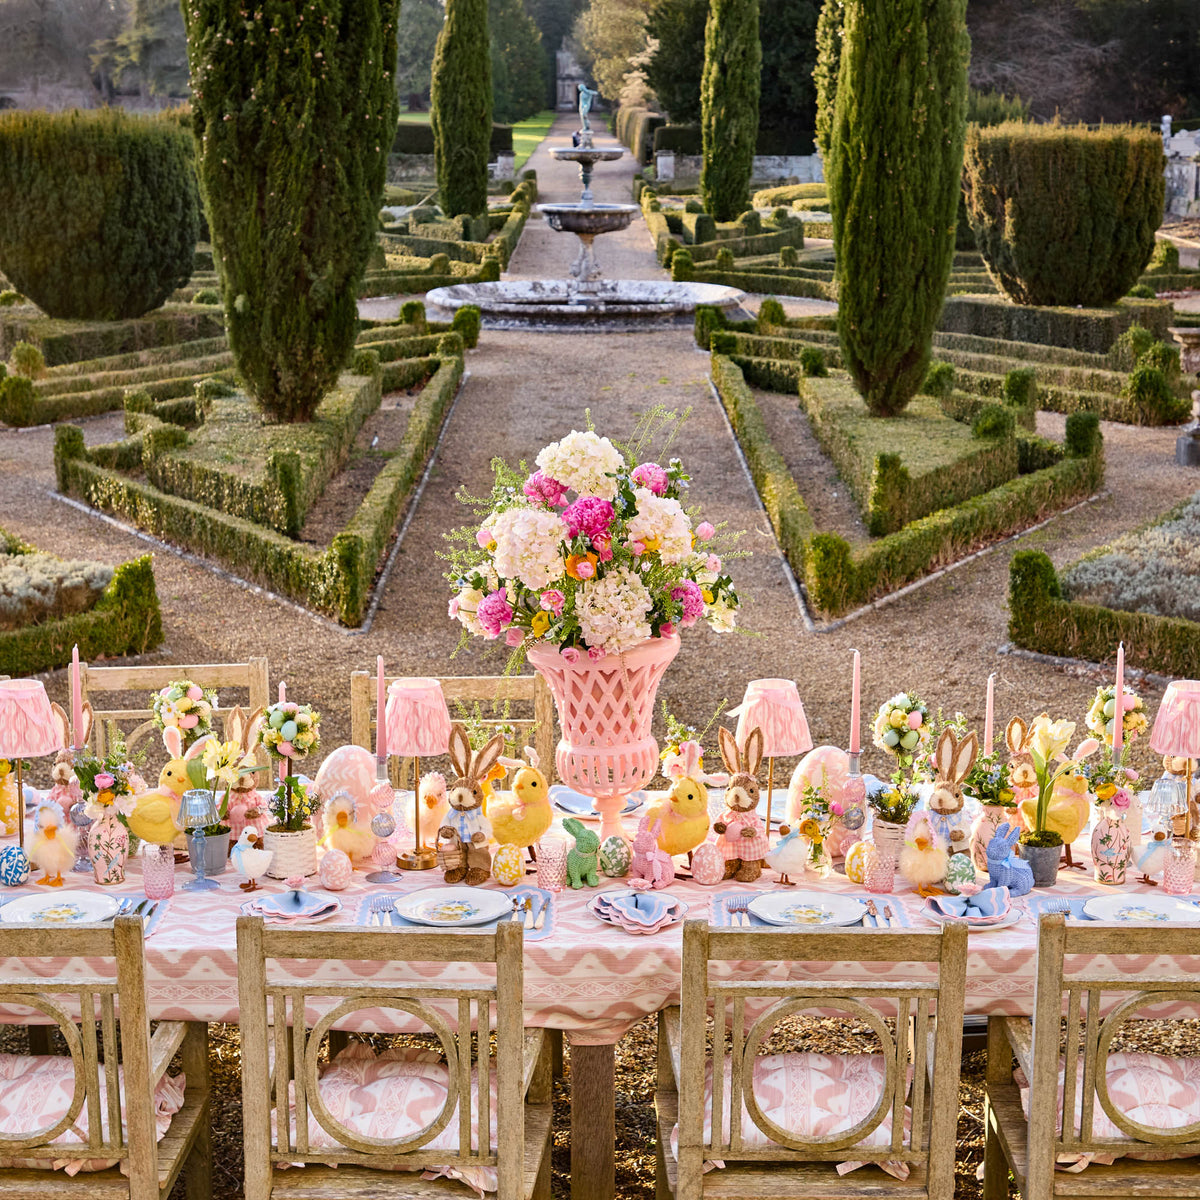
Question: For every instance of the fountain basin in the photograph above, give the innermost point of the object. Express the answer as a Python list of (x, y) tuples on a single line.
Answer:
[(609, 306), (588, 219), (585, 154)]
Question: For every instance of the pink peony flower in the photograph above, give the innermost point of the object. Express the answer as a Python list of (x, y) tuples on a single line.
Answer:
[(693, 601), (666, 629), (595, 653), (484, 538), (637, 549), (195, 693), (541, 489), (590, 516), (585, 569), (553, 600), (570, 654), (104, 780), (514, 637), (705, 530), (603, 547), (914, 720), (650, 475), (494, 613), (189, 720), (713, 563), (1121, 799)]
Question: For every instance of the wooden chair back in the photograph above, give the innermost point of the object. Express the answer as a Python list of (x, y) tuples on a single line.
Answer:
[(928, 1035), (95, 1044), (251, 675), (1096, 1004), (275, 1008), (536, 729)]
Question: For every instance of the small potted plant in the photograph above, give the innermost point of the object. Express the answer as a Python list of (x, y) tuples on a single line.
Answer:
[(1041, 845), (222, 764), (989, 783), (290, 732), (892, 806)]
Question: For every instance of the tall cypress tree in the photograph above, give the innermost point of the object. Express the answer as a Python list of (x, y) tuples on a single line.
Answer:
[(294, 111), (895, 162), (825, 73), (729, 92), (461, 102)]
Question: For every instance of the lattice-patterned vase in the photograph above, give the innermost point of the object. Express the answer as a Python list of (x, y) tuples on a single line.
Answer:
[(108, 848), (984, 827), (1111, 847), (605, 707)]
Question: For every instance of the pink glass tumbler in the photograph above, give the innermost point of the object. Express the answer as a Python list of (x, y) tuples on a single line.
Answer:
[(879, 870), (552, 863), (158, 871), (1179, 870)]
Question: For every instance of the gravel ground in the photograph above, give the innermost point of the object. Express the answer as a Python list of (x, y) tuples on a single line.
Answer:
[(524, 390)]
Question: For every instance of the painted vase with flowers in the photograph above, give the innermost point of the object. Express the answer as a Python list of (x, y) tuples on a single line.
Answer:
[(291, 732), (988, 782), (1111, 782), (108, 791)]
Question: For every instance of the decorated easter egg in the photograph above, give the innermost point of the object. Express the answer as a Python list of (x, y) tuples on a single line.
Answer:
[(383, 825), (276, 719), (14, 866), (336, 870), (856, 862), (960, 871), (288, 730), (891, 739), (910, 739), (708, 864), (508, 865), (826, 768), (615, 857)]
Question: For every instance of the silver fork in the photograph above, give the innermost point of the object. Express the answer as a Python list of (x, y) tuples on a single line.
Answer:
[(379, 906), (1056, 906), (738, 909)]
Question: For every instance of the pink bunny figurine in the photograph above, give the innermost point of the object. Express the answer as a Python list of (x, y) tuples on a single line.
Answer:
[(652, 866)]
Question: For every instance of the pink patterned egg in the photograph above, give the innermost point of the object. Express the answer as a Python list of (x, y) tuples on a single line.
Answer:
[(508, 865), (825, 761), (336, 870), (708, 864)]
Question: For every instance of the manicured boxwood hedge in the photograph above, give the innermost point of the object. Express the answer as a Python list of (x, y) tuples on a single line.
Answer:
[(1040, 619), (126, 619), (416, 137), (635, 128)]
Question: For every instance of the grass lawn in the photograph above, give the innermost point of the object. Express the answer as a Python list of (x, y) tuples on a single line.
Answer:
[(528, 134)]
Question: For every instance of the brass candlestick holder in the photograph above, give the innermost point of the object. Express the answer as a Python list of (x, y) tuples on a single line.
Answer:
[(420, 857)]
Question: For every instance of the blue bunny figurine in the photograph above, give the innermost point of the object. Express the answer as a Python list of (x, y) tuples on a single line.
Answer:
[(1005, 869)]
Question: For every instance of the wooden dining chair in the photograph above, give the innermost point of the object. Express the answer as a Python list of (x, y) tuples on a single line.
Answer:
[(356, 1126), (531, 690), (1076, 1071), (778, 1125), (82, 1108), (250, 676)]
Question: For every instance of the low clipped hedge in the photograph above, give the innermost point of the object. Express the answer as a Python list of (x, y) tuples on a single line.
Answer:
[(126, 619), (635, 128), (1041, 619), (786, 194), (336, 580), (418, 280), (416, 137)]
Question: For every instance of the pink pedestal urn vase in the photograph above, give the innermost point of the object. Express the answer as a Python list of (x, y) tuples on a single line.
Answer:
[(605, 708)]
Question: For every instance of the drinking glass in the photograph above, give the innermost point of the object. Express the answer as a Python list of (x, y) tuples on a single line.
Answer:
[(158, 871), (552, 863), (1179, 870), (879, 870)]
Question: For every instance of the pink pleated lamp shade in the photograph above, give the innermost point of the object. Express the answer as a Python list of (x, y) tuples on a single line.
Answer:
[(418, 722), (774, 706), (1177, 726), (27, 725)]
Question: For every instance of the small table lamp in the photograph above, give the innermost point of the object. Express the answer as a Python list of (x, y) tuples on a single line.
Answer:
[(774, 706), (28, 729), (1177, 732), (418, 724)]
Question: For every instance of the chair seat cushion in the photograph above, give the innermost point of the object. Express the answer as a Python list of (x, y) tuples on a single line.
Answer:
[(394, 1095), (1152, 1089), (809, 1096), (35, 1093)]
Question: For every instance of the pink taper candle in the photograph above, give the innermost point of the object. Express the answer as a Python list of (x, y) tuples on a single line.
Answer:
[(282, 761), (1118, 710), (380, 712), (989, 715), (76, 698), (855, 718)]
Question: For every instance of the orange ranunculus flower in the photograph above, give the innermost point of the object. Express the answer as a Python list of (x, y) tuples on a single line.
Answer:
[(105, 797), (582, 566)]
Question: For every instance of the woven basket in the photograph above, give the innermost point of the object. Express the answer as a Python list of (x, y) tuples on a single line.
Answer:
[(295, 852)]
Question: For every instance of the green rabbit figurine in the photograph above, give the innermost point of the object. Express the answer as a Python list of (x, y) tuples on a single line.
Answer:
[(581, 860)]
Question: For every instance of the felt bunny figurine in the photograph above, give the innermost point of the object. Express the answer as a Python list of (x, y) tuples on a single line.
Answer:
[(1021, 772), (652, 867), (743, 840), (463, 838), (79, 737), (66, 790), (1005, 869), (581, 858), (954, 760)]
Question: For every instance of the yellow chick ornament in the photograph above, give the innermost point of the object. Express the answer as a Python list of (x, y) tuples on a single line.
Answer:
[(683, 812), (53, 846), (519, 817), (923, 859)]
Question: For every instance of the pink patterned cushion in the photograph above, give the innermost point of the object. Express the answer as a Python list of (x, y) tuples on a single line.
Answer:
[(809, 1095), (1151, 1089), (35, 1093), (394, 1096)]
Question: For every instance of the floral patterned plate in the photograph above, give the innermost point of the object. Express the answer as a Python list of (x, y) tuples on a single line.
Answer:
[(807, 908), (65, 908), (453, 906), (1165, 910)]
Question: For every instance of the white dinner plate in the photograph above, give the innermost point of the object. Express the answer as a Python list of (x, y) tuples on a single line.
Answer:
[(575, 804), (1010, 918), (453, 906), (63, 908), (807, 908), (1166, 910)]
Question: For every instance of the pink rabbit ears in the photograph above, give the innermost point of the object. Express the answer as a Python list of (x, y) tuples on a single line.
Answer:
[(173, 740), (685, 764)]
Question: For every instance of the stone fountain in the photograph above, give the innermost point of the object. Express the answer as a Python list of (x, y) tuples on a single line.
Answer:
[(586, 300)]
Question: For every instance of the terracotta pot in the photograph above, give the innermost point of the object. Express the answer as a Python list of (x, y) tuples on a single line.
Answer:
[(295, 852)]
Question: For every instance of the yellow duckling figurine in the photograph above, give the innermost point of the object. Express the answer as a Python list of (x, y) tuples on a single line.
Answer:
[(1066, 814), (155, 817), (497, 773), (433, 804), (923, 859), (342, 830), (683, 812), (522, 815), (53, 846)]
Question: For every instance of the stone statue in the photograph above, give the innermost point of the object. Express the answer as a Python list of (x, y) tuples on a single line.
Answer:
[(586, 96)]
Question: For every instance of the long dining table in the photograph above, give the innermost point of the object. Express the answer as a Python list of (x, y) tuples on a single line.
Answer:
[(588, 979)]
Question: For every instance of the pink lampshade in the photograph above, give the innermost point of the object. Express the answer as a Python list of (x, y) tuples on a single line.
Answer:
[(1177, 726), (27, 725), (418, 722), (774, 706)]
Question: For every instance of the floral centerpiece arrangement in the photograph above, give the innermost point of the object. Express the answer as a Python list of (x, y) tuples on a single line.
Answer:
[(1101, 717), (107, 785), (1109, 781), (290, 732), (988, 781), (185, 706), (223, 765), (817, 815), (594, 551)]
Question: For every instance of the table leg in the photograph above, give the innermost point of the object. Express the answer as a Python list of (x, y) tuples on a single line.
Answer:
[(593, 1136)]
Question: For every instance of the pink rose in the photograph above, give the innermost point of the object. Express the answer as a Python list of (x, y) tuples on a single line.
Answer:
[(914, 720), (570, 654), (1121, 799), (189, 720), (285, 749), (1131, 774), (585, 569), (454, 607), (552, 600), (195, 693), (666, 629), (836, 808), (705, 530), (652, 476), (484, 538), (637, 549), (104, 780), (514, 636), (595, 653), (494, 613), (713, 563)]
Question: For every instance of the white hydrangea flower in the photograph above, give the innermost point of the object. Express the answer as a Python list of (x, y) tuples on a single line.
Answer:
[(721, 616), (612, 611), (464, 607), (583, 462), (529, 546), (661, 524)]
